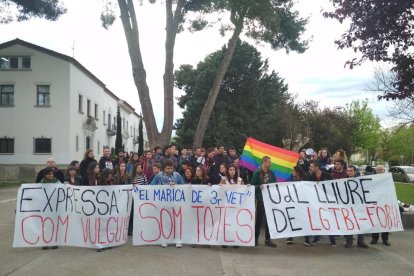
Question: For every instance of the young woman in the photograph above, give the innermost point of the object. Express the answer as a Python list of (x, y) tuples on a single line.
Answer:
[(188, 175), (132, 161), (201, 177), (221, 175), (324, 159), (121, 177), (298, 175), (231, 177), (76, 164), (71, 177), (92, 175), (107, 177), (138, 177), (49, 177), (87, 159), (147, 162)]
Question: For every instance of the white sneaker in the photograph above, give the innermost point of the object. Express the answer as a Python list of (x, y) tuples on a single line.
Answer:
[(164, 245), (178, 245)]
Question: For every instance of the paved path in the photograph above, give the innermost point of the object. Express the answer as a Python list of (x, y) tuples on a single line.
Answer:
[(128, 260)]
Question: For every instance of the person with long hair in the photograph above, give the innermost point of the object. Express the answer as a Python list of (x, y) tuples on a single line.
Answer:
[(324, 159), (92, 175), (106, 177), (231, 177), (76, 164), (71, 177), (121, 176), (188, 175), (132, 161), (220, 175), (200, 176), (138, 177), (88, 158)]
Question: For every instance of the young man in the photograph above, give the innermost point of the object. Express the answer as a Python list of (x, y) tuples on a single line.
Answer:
[(384, 235), (220, 158), (106, 160), (168, 177), (169, 155), (50, 164), (351, 171), (185, 164), (339, 171), (242, 172), (319, 175), (260, 177), (156, 169), (232, 156), (120, 159)]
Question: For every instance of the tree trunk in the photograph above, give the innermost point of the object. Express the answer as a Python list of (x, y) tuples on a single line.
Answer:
[(212, 96)]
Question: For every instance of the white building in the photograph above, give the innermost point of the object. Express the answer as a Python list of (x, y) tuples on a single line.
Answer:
[(50, 105)]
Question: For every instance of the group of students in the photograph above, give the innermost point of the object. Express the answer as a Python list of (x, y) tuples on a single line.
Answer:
[(205, 167)]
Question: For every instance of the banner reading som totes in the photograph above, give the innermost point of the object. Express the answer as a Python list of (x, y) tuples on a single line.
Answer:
[(194, 214), (336, 207), (62, 214)]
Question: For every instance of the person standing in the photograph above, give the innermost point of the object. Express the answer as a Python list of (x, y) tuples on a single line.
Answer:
[(106, 160), (169, 155), (188, 175), (232, 156), (260, 177), (339, 171), (121, 176), (92, 175), (317, 174), (121, 158), (87, 159), (232, 178), (147, 162), (132, 161), (200, 176), (71, 177), (220, 157), (351, 171), (58, 174), (168, 177), (384, 235)]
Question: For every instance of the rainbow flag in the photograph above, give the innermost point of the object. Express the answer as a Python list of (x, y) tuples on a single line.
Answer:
[(283, 160)]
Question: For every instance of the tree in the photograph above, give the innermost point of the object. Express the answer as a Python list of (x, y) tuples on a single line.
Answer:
[(140, 138), (118, 139), (381, 30), (402, 110), (268, 21), (367, 132), (20, 10), (248, 103), (397, 143)]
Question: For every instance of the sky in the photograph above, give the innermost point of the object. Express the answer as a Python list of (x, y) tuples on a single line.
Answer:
[(318, 74)]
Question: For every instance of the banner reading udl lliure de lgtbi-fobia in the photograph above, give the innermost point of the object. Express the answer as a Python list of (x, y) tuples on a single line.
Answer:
[(98, 216), (366, 204)]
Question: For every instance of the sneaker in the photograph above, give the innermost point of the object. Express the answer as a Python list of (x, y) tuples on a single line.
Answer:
[(386, 243), (98, 250), (373, 242), (289, 241), (224, 246), (348, 245), (45, 248), (256, 243), (178, 245), (236, 247), (315, 242), (270, 243), (307, 243), (164, 245), (362, 245), (333, 243), (54, 247)]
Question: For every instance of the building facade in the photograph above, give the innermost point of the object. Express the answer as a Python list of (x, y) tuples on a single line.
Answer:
[(51, 105)]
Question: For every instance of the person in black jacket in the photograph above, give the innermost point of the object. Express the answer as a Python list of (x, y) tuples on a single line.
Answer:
[(106, 160), (58, 174), (220, 158), (200, 176), (87, 159)]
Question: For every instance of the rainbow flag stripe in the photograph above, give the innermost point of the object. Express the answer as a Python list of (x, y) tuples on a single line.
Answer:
[(283, 160)]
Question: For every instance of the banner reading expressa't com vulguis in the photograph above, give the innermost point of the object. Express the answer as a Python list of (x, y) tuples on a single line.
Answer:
[(366, 204)]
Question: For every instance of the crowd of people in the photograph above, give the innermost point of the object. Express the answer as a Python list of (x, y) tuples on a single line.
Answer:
[(214, 166)]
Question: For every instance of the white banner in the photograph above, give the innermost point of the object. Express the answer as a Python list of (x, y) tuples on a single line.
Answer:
[(348, 206), (194, 214), (62, 214)]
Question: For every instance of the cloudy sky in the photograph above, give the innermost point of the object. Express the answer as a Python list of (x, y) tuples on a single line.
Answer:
[(318, 74)]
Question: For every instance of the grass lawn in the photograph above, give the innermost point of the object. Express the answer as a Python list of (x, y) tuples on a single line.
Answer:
[(405, 192)]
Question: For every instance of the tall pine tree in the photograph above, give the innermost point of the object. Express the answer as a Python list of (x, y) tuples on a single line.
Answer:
[(118, 139)]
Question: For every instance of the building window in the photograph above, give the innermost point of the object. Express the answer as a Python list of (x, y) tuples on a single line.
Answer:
[(42, 145), (115, 126), (6, 145), (15, 62), (80, 104), (88, 107), (43, 95), (127, 126), (7, 95), (26, 63), (123, 123), (104, 117), (96, 111), (99, 147), (109, 121), (77, 143)]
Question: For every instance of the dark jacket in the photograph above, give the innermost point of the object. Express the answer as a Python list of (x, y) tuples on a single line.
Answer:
[(58, 174), (220, 159), (164, 159), (257, 180), (338, 175), (324, 176), (83, 167), (105, 163), (78, 181), (198, 181)]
